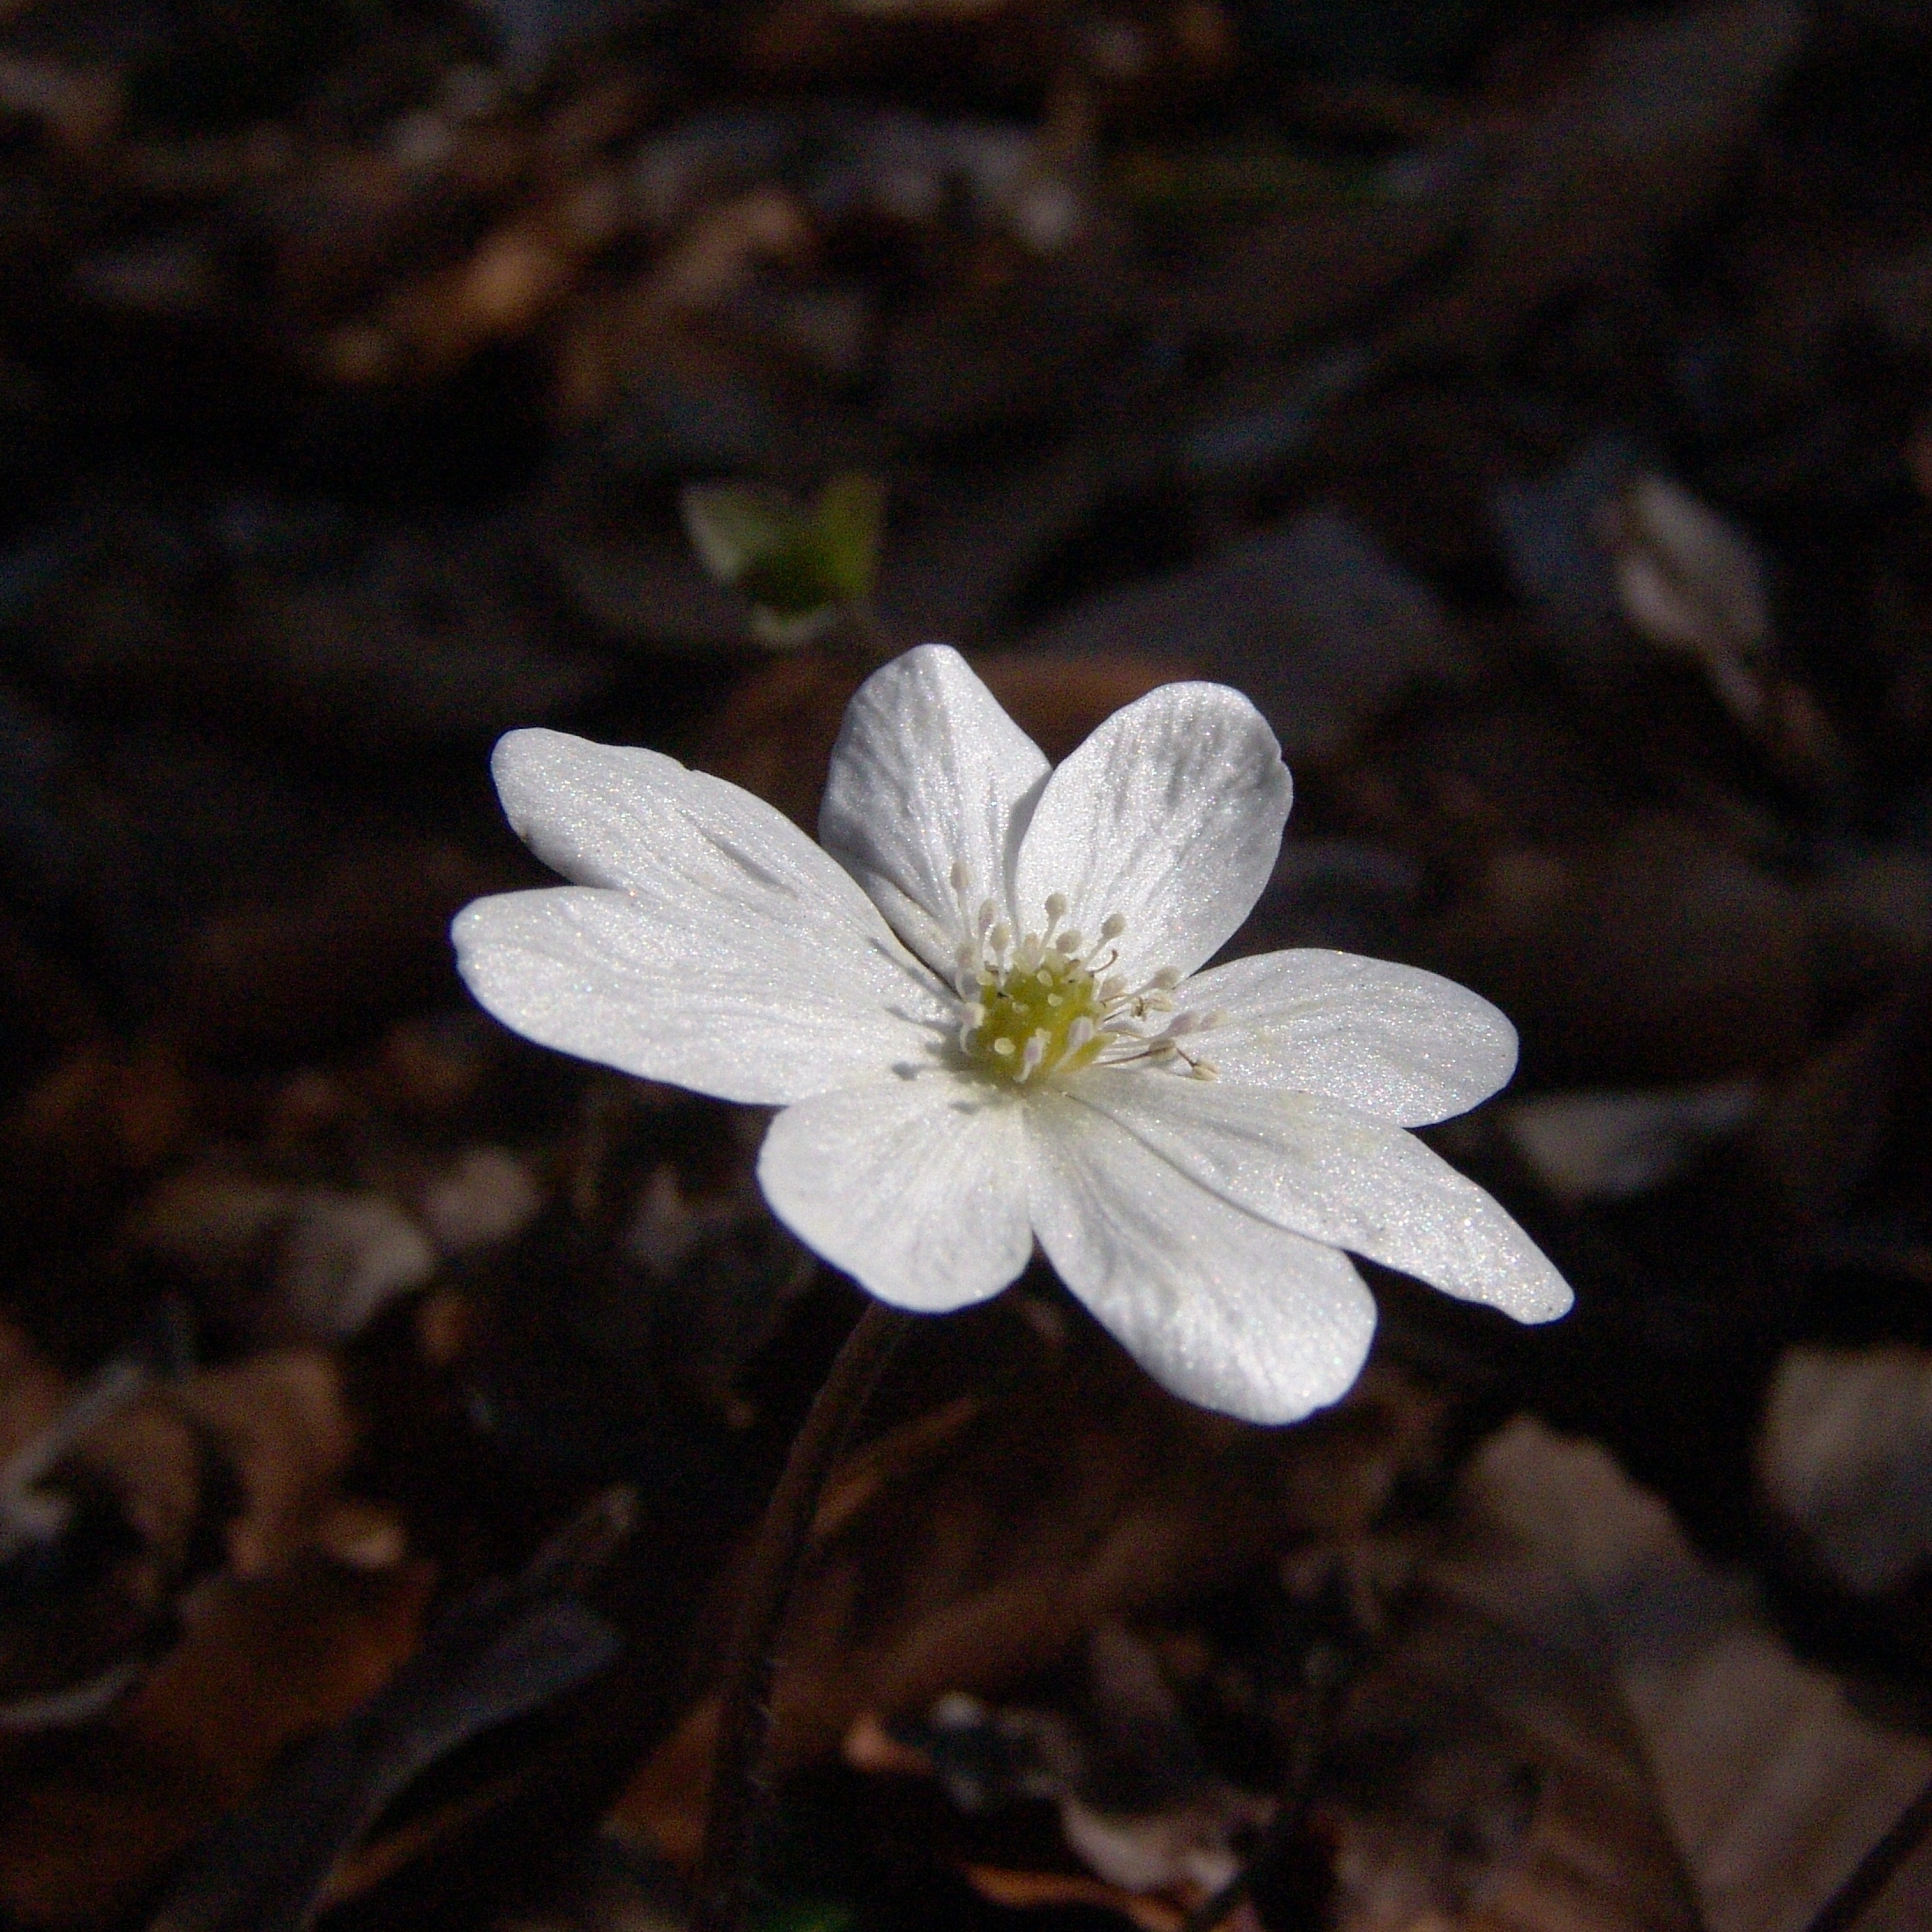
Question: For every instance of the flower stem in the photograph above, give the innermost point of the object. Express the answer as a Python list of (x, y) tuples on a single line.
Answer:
[(725, 1872)]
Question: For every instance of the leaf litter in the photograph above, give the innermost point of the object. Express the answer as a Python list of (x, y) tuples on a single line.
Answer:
[(1527, 408)]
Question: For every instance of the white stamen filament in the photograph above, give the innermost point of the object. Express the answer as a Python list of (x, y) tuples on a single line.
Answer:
[(1040, 1004)]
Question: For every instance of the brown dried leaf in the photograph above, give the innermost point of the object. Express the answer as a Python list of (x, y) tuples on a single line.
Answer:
[(1847, 1436), (1312, 619), (515, 275), (284, 1426), (265, 1663), (1081, 1494), (1689, 578), (246, 1460), (1025, 1891), (1654, 956), (1640, 142), (1613, 1146), (365, 943), (78, 107), (31, 1392), (1692, 1769), (1311, 269)]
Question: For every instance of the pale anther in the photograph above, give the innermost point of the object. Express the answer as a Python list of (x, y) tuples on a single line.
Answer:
[(1037, 1007)]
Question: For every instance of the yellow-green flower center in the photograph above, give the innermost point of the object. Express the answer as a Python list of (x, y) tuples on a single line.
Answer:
[(1047, 1004), (1039, 1020)]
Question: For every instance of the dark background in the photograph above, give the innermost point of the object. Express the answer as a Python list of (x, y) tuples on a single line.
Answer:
[(1526, 404)]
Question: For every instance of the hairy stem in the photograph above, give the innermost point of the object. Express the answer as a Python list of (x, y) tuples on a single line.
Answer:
[(725, 1873)]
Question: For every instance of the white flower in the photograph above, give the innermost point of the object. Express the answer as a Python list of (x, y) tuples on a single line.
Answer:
[(980, 1010)]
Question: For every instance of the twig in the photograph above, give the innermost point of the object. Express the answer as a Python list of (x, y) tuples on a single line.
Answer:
[(1877, 1869), (745, 1718)]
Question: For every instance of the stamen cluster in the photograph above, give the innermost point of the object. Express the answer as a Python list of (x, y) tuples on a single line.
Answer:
[(1045, 1003)]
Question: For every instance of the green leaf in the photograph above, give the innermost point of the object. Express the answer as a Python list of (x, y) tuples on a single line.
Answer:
[(801, 569), (851, 524), (731, 526)]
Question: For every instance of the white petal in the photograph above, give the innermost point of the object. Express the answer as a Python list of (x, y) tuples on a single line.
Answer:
[(1216, 1305), (916, 1188), (1170, 815), (750, 995), (737, 958), (929, 772), (618, 815), (1335, 1175), (1394, 1041)]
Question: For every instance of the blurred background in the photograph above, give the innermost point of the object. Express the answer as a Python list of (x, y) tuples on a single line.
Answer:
[(1527, 405)]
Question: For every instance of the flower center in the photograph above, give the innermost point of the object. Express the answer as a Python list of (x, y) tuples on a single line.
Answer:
[(1039, 1019), (1046, 1005)]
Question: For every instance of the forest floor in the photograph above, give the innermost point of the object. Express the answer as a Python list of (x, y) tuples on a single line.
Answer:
[(1529, 406)]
